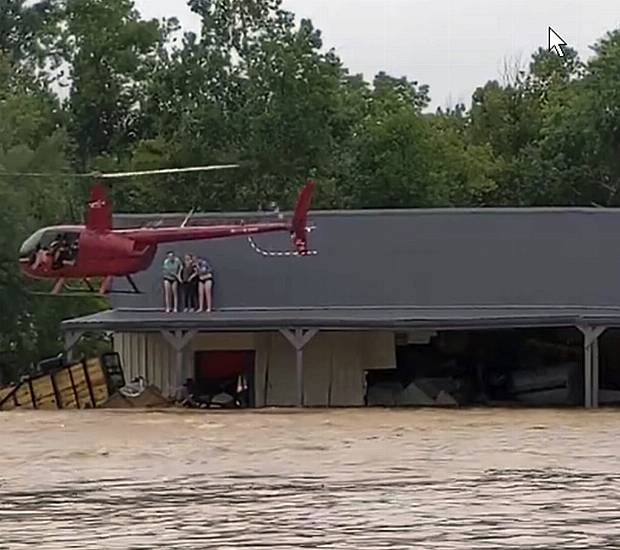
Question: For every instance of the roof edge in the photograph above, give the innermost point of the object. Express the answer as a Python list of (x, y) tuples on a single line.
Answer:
[(386, 211), (403, 318)]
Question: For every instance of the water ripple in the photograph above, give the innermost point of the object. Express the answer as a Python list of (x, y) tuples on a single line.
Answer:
[(338, 480)]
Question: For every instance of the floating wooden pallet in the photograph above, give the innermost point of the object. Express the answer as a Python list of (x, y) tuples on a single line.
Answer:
[(83, 385)]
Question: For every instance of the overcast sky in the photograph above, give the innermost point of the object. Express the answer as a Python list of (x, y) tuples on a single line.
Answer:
[(452, 45)]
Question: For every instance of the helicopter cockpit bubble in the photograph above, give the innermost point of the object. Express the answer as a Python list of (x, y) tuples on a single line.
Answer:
[(52, 240), (38, 240)]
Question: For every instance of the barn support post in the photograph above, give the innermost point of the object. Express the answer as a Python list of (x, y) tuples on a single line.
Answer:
[(591, 364), (72, 337), (298, 339), (178, 340)]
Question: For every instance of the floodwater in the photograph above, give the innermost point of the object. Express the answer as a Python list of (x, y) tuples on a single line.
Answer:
[(349, 479)]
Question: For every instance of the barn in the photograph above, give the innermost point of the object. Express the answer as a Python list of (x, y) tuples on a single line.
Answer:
[(399, 307)]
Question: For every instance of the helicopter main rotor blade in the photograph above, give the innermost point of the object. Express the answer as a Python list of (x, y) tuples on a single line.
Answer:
[(166, 171), (112, 175), (44, 175)]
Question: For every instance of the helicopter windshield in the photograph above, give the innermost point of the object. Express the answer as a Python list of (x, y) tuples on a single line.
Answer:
[(34, 242)]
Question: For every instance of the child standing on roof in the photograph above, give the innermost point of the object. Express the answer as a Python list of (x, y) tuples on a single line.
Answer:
[(172, 275), (205, 284), (189, 283)]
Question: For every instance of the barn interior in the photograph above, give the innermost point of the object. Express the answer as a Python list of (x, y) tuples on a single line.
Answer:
[(508, 367)]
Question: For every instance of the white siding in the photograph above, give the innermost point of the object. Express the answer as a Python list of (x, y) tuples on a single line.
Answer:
[(147, 355), (347, 383), (334, 363), (281, 377), (334, 368), (318, 363), (161, 363)]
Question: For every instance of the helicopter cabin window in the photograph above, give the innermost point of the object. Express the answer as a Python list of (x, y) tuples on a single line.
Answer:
[(60, 248)]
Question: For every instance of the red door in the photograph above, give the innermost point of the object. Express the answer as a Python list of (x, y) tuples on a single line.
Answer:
[(223, 368)]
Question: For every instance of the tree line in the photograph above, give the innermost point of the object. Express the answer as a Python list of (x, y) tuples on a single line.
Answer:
[(90, 85)]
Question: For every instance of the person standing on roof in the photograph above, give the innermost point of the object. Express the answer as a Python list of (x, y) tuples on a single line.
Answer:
[(205, 284), (189, 284), (172, 275)]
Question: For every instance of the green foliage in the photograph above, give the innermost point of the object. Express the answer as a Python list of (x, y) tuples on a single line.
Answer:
[(111, 53), (26, 29), (30, 140)]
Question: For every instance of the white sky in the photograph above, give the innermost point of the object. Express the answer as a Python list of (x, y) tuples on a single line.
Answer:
[(452, 45)]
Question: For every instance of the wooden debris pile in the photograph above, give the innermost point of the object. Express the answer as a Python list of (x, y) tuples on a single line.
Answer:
[(86, 384)]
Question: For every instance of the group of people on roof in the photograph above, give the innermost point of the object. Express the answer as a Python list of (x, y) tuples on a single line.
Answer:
[(188, 283)]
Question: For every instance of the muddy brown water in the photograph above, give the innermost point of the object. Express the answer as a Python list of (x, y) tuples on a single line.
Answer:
[(349, 479)]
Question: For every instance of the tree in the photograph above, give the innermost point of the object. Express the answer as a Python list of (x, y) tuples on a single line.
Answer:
[(26, 29), (580, 141), (254, 88), (30, 140), (465, 173), (110, 51)]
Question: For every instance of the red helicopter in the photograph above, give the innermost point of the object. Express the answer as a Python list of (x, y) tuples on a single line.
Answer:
[(98, 251)]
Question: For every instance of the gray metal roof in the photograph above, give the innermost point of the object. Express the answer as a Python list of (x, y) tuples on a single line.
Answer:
[(347, 318), (403, 267), (421, 258)]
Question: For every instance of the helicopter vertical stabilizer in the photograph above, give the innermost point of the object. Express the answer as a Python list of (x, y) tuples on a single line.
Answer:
[(300, 218)]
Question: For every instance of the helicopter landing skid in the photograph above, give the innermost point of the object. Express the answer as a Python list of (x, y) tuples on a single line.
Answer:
[(62, 289), (105, 286)]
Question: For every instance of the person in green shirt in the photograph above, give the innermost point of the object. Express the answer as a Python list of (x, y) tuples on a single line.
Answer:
[(172, 275)]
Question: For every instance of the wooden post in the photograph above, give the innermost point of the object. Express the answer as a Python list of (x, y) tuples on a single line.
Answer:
[(591, 364), (299, 363), (71, 339), (178, 371), (11, 395), (595, 373), (55, 388), (33, 397), (178, 340), (298, 339), (88, 384), (75, 393)]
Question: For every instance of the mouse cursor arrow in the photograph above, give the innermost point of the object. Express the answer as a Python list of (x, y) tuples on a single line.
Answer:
[(556, 42)]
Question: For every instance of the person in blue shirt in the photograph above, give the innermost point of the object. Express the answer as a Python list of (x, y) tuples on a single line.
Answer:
[(205, 284), (171, 271)]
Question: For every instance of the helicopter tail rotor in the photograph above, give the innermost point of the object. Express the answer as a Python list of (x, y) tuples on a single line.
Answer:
[(298, 227)]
